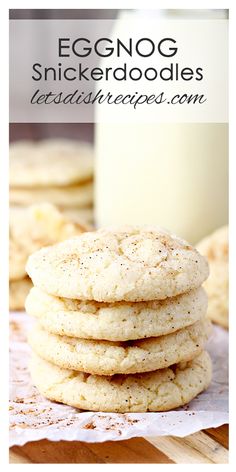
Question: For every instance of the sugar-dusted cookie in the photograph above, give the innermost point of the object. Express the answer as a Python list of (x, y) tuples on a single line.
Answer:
[(155, 391), (109, 358), (121, 321), (129, 264)]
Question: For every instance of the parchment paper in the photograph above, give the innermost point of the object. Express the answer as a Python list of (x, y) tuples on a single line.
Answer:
[(32, 417)]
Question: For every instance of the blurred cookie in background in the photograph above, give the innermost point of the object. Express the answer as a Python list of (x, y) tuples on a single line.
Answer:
[(58, 171), (30, 229), (215, 248), (50, 162)]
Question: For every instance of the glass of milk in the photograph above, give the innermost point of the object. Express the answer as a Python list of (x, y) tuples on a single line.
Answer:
[(174, 175)]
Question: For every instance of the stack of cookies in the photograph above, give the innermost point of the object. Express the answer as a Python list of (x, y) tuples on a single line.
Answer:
[(120, 321), (30, 229), (55, 171)]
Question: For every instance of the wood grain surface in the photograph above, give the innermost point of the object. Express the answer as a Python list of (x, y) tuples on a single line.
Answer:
[(208, 447)]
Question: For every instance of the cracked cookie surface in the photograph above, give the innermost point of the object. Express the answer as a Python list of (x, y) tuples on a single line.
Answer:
[(109, 358), (121, 321), (125, 264), (155, 391)]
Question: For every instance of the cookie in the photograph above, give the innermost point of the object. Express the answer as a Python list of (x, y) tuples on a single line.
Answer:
[(161, 390), (215, 249), (79, 195), (121, 321), (109, 265), (18, 291), (50, 162), (109, 358), (32, 228)]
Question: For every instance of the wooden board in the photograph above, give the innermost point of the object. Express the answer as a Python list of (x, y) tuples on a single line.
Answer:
[(208, 447)]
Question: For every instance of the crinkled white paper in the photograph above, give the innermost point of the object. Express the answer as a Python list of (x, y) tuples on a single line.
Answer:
[(32, 417)]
